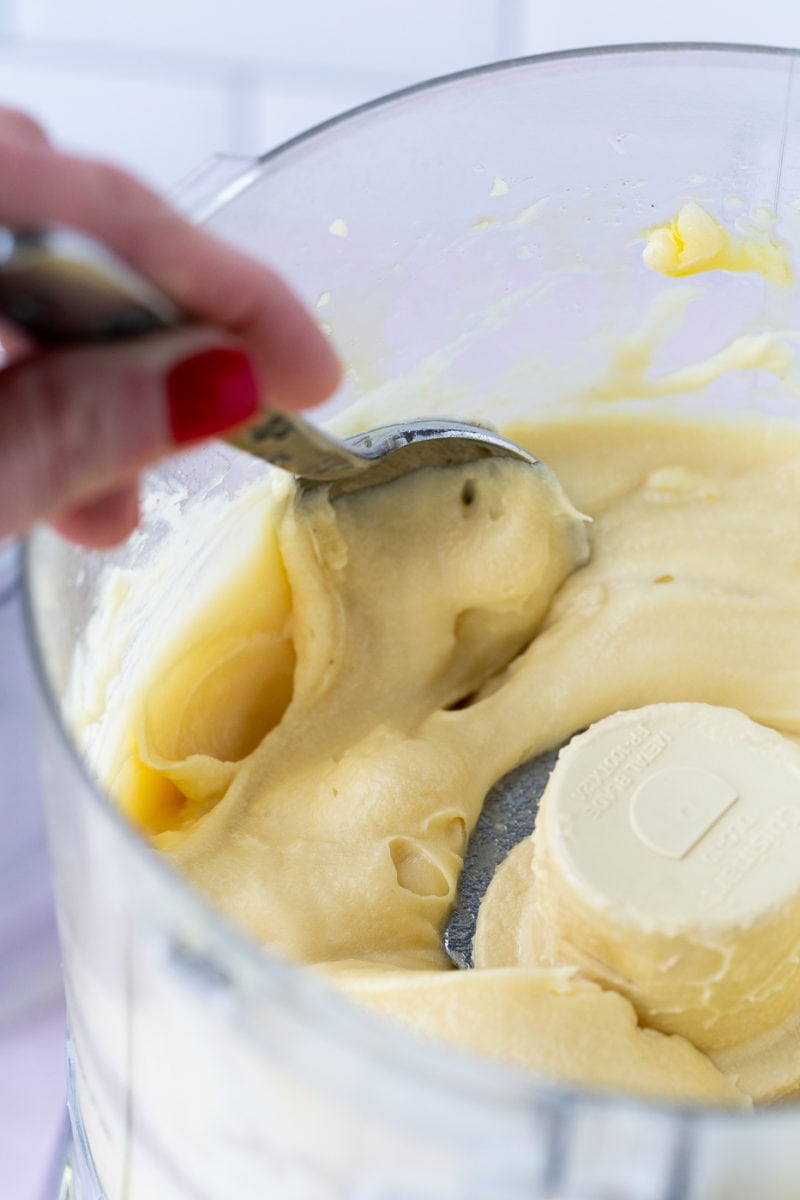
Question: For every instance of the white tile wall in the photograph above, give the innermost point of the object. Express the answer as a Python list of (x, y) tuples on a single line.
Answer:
[(563, 24), (161, 128), (430, 36), (160, 84)]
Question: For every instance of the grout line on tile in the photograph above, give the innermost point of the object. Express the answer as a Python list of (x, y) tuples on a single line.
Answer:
[(242, 87), (195, 68), (7, 19), (509, 25)]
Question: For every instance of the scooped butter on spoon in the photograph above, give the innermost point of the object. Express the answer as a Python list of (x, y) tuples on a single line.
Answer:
[(694, 242)]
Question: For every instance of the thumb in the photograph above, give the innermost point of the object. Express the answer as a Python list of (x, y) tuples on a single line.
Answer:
[(76, 425)]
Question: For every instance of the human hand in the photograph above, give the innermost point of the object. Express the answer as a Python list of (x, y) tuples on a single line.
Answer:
[(78, 425)]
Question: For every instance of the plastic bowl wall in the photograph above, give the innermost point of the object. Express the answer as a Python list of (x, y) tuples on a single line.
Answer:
[(473, 244)]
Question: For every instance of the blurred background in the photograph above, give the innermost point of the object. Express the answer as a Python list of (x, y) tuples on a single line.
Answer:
[(157, 86)]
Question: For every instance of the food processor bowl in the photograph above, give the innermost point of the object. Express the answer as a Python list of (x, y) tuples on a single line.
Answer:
[(474, 246)]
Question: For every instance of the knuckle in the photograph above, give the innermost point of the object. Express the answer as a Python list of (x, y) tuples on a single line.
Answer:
[(31, 476), (138, 211), (114, 183), (81, 422), (76, 444), (66, 440), (19, 126), (116, 189)]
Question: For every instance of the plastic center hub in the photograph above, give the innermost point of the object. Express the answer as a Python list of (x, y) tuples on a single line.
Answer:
[(666, 865)]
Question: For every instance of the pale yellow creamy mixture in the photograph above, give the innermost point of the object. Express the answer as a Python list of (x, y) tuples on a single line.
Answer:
[(314, 751)]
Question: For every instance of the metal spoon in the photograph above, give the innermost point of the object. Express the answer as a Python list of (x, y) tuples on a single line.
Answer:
[(63, 287), (366, 459)]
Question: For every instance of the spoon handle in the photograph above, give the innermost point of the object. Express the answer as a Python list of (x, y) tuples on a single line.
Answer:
[(63, 287), (287, 440)]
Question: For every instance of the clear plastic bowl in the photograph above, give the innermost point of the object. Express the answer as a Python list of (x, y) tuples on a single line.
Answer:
[(473, 243)]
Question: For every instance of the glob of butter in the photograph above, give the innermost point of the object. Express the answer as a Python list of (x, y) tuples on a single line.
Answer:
[(694, 241)]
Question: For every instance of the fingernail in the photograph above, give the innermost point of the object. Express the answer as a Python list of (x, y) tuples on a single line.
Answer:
[(211, 392)]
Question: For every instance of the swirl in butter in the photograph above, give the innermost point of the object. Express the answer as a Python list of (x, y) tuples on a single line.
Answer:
[(314, 750)]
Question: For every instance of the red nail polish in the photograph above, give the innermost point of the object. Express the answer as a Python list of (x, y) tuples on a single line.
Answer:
[(210, 393)]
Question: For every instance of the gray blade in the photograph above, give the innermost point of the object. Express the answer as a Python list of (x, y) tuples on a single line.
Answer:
[(508, 815)]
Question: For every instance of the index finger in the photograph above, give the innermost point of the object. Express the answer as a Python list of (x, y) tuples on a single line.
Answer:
[(208, 279)]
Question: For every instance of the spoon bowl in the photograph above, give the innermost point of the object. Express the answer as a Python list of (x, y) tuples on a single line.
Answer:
[(375, 457)]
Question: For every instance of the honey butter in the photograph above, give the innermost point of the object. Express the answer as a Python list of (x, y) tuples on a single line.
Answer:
[(314, 749)]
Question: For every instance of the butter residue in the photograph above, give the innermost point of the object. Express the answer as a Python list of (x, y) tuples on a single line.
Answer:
[(629, 371), (694, 242)]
